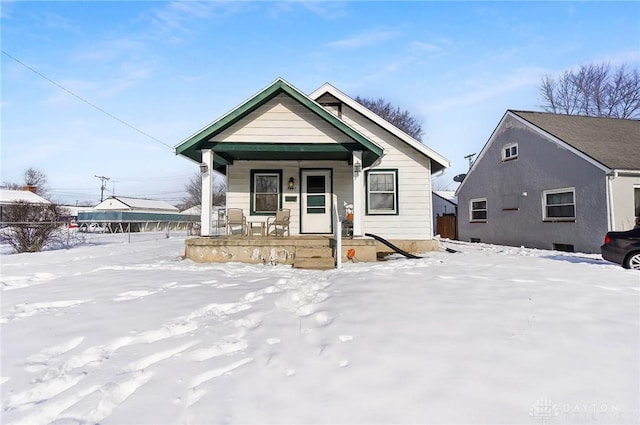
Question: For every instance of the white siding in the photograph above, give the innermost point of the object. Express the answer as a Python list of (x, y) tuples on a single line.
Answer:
[(414, 221), (623, 201), (112, 204), (281, 120), (238, 185)]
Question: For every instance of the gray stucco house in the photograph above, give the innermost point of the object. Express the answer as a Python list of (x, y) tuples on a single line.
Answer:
[(552, 181)]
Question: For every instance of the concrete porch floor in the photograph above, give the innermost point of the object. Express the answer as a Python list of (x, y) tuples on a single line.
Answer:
[(272, 249)]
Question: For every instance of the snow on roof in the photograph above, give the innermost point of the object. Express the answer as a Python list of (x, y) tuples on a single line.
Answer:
[(448, 195), (8, 196), (124, 202)]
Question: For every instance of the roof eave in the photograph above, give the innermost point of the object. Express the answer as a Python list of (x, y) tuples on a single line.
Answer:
[(411, 141), (191, 147)]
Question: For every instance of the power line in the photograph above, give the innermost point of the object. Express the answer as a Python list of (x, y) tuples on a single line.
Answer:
[(86, 101)]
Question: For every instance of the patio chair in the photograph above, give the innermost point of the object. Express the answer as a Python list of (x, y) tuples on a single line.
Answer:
[(235, 218), (281, 220)]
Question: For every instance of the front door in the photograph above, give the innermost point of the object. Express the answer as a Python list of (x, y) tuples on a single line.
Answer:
[(315, 198)]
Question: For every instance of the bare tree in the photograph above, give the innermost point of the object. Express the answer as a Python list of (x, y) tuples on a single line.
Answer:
[(34, 180), (194, 191), (594, 90), (401, 119), (29, 227)]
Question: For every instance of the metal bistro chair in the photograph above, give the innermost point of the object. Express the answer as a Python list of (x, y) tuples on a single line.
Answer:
[(235, 217), (281, 220)]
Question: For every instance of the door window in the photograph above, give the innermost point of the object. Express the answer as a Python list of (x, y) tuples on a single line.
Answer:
[(316, 199)]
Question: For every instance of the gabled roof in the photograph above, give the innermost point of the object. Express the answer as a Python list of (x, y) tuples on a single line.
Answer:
[(8, 196), (613, 142), (136, 204), (438, 162), (447, 195), (192, 146)]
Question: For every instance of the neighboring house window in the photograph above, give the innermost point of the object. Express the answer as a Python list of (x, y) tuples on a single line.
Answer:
[(636, 195), (266, 190), (510, 152), (478, 209), (382, 192), (559, 204)]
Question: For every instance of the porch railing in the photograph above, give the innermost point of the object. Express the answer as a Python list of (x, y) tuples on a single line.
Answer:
[(337, 232)]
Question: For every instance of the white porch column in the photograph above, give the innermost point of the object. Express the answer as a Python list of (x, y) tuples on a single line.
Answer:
[(207, 193), (358, 193)]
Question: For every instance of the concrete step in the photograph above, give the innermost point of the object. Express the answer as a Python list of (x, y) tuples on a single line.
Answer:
[(316, 263), (313, 251), (317, 258)]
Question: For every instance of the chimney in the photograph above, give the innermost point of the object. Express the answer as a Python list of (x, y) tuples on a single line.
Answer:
[(31, 188)]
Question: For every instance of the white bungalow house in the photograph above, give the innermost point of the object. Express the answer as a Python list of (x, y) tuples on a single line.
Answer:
[(9, 197), (552, 181), (283, 149)]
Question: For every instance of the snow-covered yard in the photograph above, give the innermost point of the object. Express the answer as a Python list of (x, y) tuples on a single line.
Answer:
[(128, 333)]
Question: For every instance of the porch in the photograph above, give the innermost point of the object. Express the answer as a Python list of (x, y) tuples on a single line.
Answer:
[(300, 251)]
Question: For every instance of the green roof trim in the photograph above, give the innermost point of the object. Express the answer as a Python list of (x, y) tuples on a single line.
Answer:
[(191, 148)]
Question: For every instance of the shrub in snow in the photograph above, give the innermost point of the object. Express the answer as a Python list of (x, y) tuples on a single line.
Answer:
[(29, 227)]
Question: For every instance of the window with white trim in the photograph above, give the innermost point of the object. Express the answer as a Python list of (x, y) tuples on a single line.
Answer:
[(559, 204), (266, 191), (509, 152), (382, 192), (478, 210)]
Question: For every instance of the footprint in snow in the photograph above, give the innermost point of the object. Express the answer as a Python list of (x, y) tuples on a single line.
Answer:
[(40, 361), (132, 295)]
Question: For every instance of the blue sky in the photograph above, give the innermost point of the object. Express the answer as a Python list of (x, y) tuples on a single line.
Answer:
[(170, 68)]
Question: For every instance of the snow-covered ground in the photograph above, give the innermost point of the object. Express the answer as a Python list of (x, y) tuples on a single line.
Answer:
[(129, 333)]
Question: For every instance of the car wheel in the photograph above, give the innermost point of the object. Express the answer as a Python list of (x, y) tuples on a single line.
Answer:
[(632, 261)]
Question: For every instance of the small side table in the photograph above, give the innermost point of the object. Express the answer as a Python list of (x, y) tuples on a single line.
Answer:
[(253, 226), (347, 228)]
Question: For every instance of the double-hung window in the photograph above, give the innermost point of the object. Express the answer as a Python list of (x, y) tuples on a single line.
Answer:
[(478, 210), (559, 204), (382, 192), (509, 152), (266, 190)]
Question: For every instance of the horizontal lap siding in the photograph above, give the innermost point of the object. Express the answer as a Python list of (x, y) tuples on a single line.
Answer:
[(238, 185), (414, 221), (281, 120)]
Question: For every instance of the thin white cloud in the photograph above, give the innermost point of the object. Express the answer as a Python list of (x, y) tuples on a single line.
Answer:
[(174, 20), (55, 21), (325, 9), (364, 39), (129, 76), (109, 50), (479, 91), (429, 47)]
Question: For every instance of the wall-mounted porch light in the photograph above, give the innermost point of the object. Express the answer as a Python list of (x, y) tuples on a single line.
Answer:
[(291, 183), (203, 168), (357, 167)]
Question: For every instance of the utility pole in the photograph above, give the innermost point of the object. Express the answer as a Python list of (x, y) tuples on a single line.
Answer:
[(103, 180), (470, 158)]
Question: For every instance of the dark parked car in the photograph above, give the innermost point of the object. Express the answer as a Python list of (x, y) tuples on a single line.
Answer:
[(623, 248)]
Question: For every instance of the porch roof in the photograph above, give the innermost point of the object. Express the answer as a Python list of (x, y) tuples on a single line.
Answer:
[(227, 152)]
